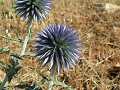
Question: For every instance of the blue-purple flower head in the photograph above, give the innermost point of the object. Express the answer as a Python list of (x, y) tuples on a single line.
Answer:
[(58, 46), (33, 9)]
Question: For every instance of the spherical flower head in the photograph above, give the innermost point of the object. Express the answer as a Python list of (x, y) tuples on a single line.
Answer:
[(58, 45), (33, 9)]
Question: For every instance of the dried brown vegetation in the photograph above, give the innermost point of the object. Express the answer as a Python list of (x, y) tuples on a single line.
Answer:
[(99, 66)]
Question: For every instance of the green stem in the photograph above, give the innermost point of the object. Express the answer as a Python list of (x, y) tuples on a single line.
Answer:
[(54, 81), (24, 45), (4, 82), (51, 83), (27, 38)]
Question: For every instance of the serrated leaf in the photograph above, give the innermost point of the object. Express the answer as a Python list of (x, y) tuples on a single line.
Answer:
[(12, 73), (14, 67)]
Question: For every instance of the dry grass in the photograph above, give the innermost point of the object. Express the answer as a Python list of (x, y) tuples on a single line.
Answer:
[(99, 66)]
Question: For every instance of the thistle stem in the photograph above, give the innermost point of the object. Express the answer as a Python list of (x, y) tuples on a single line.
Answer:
[(24, 45), (51, 83), (4, 82), (27, 38), (54, 81)]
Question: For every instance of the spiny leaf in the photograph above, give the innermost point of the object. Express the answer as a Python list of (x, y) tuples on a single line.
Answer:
[(12, 71), (14, 67)]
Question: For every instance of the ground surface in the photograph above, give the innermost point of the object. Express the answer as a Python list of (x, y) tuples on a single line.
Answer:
[(99, 66)]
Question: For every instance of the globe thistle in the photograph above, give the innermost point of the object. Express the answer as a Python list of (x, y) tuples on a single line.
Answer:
[(33, 9), (58, 45)]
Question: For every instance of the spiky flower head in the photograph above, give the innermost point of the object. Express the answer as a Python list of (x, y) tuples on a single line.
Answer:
[(58, 45), (33, 9)]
